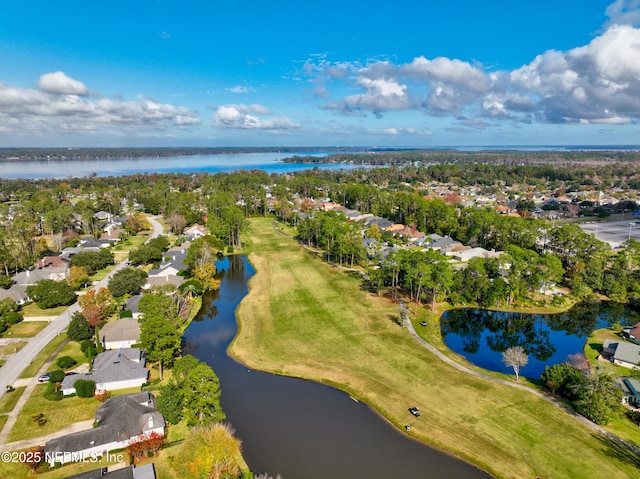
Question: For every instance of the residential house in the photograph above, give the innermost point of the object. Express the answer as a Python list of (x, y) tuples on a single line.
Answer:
[(167, 272), (468, 254), (630, 391), (86, 244), (195, 231), (622, 353), (122, 333), (632, 334), (115, 369), (395, 229), (121, 420), (381, 223), (145, 471), (103, 215), (444, 244)]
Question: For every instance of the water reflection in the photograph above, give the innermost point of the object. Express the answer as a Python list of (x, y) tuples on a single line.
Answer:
[(482, 335), (302, 429)]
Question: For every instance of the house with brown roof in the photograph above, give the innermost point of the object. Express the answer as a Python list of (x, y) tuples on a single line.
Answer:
[(122, 333)]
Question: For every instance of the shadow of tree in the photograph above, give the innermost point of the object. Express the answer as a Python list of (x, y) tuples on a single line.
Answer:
[(619, 451), (395, 318)]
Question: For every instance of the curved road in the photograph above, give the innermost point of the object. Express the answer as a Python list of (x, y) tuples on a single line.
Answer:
[(14, 366)]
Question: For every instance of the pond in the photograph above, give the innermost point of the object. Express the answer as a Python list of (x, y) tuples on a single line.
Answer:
[(482, 335), (301, 429)]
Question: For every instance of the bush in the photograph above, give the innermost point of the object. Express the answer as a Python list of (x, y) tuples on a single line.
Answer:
[(86, 344), (126, 313), (85, 388), (11, 318), (52, 394), (91, 352), (66, 362)]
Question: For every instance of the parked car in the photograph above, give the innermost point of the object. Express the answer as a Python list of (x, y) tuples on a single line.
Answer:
[(423, 323), (43, 378), (415, 411)]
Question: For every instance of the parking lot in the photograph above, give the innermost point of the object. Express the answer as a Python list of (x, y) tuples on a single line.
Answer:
[(615, 232)]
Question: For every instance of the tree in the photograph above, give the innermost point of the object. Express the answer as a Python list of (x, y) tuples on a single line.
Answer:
[(148, 443), (49, 294), (85, 388), (199, 389), (127, 281), (79, 328), (171, 402), (77, 277), (208, 452), (600, 396), (160, 340), (515, 357)]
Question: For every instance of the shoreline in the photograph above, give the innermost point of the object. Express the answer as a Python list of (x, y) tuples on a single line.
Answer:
[(479, 434)]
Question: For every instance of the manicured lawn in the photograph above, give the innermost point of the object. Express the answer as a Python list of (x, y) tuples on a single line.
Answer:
[(39, 360), (33, 309), (59, 414), (305, 318), (72, 349), (9, 400), (25, 329), (12, 348)]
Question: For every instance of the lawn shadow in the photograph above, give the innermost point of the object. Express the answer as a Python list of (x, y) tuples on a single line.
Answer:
[(619, 451), (395, 318)]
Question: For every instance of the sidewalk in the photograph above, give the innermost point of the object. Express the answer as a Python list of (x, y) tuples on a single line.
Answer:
[(31, 384)]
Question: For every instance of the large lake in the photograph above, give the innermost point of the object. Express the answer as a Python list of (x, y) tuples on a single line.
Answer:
[(481, 335), (270, 162), (301, 429)]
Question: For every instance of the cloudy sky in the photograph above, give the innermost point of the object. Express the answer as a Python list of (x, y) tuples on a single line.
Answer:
[(326, 73)]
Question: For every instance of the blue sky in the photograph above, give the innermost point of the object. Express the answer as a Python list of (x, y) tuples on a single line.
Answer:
[(325, 73)]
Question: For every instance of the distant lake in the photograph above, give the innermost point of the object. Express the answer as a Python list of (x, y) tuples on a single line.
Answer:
[(481, 335), (269, 162)]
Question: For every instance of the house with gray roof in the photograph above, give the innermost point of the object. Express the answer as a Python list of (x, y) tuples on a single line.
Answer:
[(382, 223), (146, 471), (630, 391), (121, 420), (115, 369), (622, 353), (122, 333), (167, 272)]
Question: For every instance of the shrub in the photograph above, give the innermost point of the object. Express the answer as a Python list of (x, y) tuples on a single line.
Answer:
[(11, 318), (52, 394), (86, 344), (85, 388), (126, 313), (91, 352), (66, 362)]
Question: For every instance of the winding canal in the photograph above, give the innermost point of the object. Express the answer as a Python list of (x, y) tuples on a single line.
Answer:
[(301, 429)]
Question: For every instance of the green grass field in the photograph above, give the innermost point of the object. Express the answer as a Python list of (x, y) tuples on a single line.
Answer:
[(25, 329), (305, 318)]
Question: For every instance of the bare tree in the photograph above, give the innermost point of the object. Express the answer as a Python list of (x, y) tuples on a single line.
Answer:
[(515, 357)]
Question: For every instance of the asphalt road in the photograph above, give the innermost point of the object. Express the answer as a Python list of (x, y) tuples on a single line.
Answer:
[(14, 366)]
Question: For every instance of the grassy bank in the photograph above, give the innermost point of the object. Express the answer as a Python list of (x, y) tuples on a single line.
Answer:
[(304, 318)]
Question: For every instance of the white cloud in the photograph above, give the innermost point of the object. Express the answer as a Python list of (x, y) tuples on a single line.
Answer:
[(240, 89), (246, 117), (624, 12), (62, 105), (597, 82), (61, 84)]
